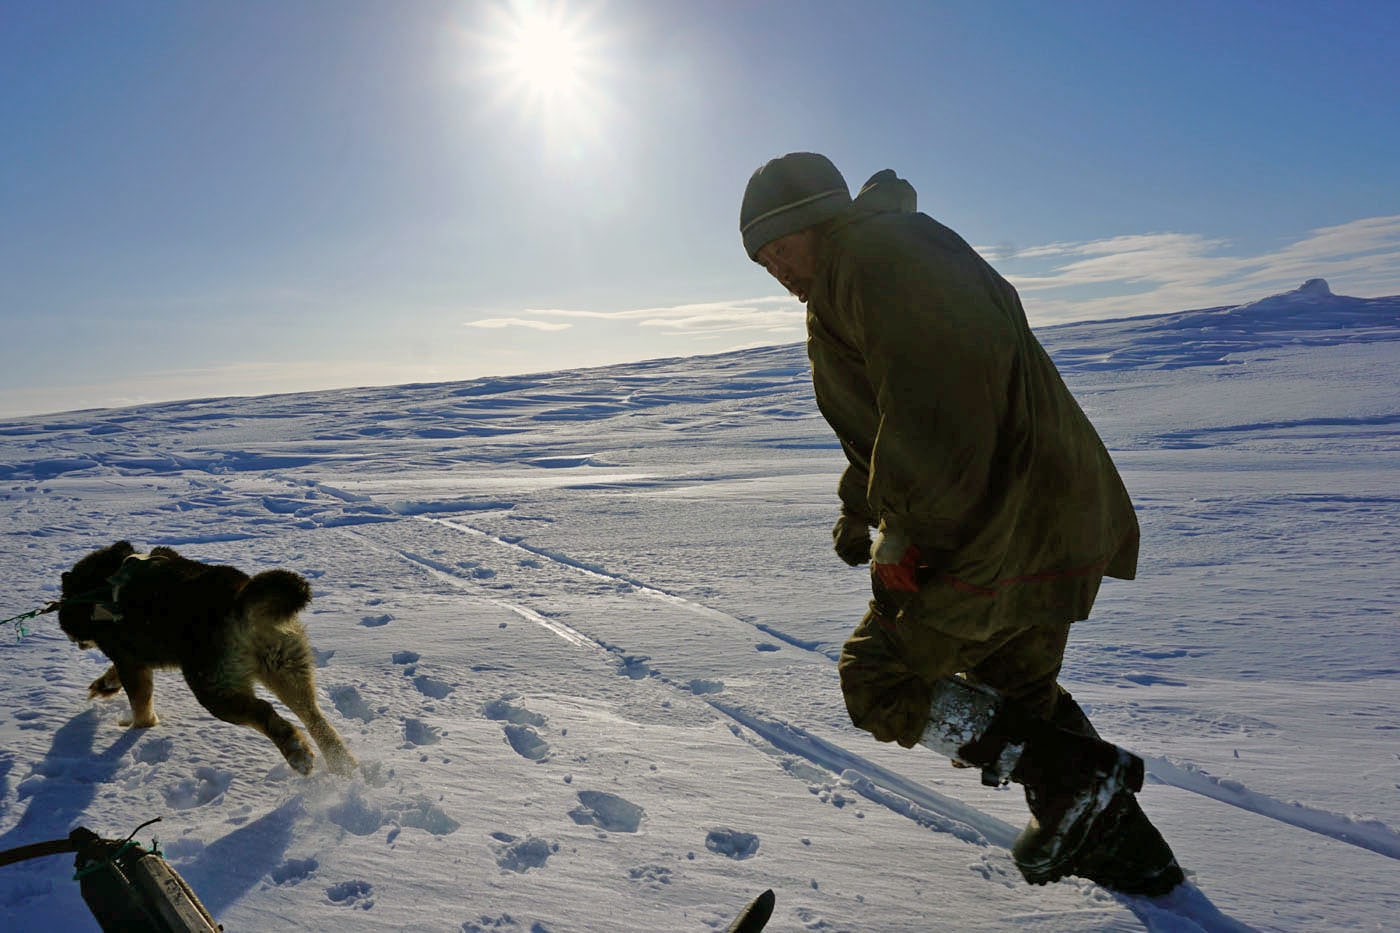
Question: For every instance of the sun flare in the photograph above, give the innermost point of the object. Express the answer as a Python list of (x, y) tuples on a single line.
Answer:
[(545, 55), (546, 61)]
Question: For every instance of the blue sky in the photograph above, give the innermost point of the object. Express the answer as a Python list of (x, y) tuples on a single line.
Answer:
[(202, 199)]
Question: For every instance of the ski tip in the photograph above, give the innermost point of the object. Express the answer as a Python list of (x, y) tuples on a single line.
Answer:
[(755, 916)]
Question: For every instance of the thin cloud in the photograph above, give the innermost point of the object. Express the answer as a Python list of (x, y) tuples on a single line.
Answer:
[(497, 323), (769, 314), (1126, 276)]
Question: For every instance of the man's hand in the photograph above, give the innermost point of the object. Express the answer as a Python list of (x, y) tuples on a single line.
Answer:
[(851, 538), (895, 561)]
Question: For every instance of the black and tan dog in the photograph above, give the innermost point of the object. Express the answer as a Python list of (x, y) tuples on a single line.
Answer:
[(222, 629)]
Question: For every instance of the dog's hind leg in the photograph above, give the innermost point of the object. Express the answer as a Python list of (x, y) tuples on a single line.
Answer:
[(109, 684), (247, 709), (139, 684), (295, 685)]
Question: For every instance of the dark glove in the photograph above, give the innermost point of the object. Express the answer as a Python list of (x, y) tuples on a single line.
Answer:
[(895, 562), (851, 538)]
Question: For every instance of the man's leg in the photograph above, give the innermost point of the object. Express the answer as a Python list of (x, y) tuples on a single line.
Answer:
[(899, 684), (884, 696), (1025, 666), (1133, 858)]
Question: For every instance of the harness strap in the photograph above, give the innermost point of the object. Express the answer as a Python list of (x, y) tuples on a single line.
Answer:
[(104, 599)]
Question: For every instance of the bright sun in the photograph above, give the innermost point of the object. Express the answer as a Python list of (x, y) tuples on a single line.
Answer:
[(546, 60), (545, 55)]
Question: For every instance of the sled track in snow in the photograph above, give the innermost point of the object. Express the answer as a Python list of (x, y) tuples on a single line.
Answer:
[(872, 781)]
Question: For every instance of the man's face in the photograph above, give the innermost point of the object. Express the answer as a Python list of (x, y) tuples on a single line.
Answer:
[(792, 260)]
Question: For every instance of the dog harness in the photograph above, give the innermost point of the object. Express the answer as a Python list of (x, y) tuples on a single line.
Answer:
[(109, 610)]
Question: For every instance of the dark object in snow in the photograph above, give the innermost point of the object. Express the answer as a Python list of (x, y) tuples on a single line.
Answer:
[(755, 916), (126, 886)]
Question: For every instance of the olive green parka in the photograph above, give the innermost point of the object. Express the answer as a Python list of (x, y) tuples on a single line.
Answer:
[(959, 433)]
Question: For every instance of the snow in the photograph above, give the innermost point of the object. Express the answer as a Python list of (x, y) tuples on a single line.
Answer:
[(581, 628)]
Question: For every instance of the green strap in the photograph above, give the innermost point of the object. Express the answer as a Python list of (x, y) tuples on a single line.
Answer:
[(92, 597), (99, 864), (20, 629)]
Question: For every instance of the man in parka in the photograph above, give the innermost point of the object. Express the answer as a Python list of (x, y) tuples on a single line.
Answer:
[(998, 510)]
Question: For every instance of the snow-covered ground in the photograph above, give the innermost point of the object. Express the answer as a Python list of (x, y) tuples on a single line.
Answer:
[(580, 629)]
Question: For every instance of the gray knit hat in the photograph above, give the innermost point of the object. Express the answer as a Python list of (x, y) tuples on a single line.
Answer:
[(788, 194)]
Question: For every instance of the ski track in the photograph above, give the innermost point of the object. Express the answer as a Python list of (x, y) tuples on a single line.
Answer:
[(1375, 836), (1186, 910)]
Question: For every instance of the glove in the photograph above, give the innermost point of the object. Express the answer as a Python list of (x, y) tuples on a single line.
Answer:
[(851, 538), (895, 562)]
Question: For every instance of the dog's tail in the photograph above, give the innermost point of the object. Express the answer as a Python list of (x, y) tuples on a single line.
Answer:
[(278, 594)]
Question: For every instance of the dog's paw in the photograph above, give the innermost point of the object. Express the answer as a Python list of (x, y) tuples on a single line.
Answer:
[(341, 762), (299, 755), (109, 684), (140, 722)]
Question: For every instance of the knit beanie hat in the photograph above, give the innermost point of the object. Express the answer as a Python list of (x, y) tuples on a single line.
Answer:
[(788, 194)]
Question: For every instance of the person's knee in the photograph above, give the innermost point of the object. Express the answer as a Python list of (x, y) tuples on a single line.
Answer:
[(889, 702)]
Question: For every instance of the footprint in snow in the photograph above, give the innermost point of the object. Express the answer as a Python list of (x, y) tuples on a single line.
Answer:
[(504, 710), (634, 667), (206, 786), (27, 719), (154, 751), (527, 742), (650, 875), (607, 811), (376, 621), (350, 704), (486, 923), (421, 813), (521, 855), (731, 843), (294, 870), (417, 732), (431, 687), (352, 894)]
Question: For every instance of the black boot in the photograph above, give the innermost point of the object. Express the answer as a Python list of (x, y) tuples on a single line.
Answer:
[(1072, 781), (1131, 856), (1071, 788)]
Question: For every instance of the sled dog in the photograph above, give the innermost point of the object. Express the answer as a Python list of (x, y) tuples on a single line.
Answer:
[(224, 631)]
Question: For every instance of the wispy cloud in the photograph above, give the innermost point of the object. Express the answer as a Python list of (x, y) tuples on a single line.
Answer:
[(775, 315), (498, 323), (1162, 272)]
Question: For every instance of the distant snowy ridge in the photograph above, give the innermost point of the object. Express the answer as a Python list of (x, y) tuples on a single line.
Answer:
[(1309, 315)]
